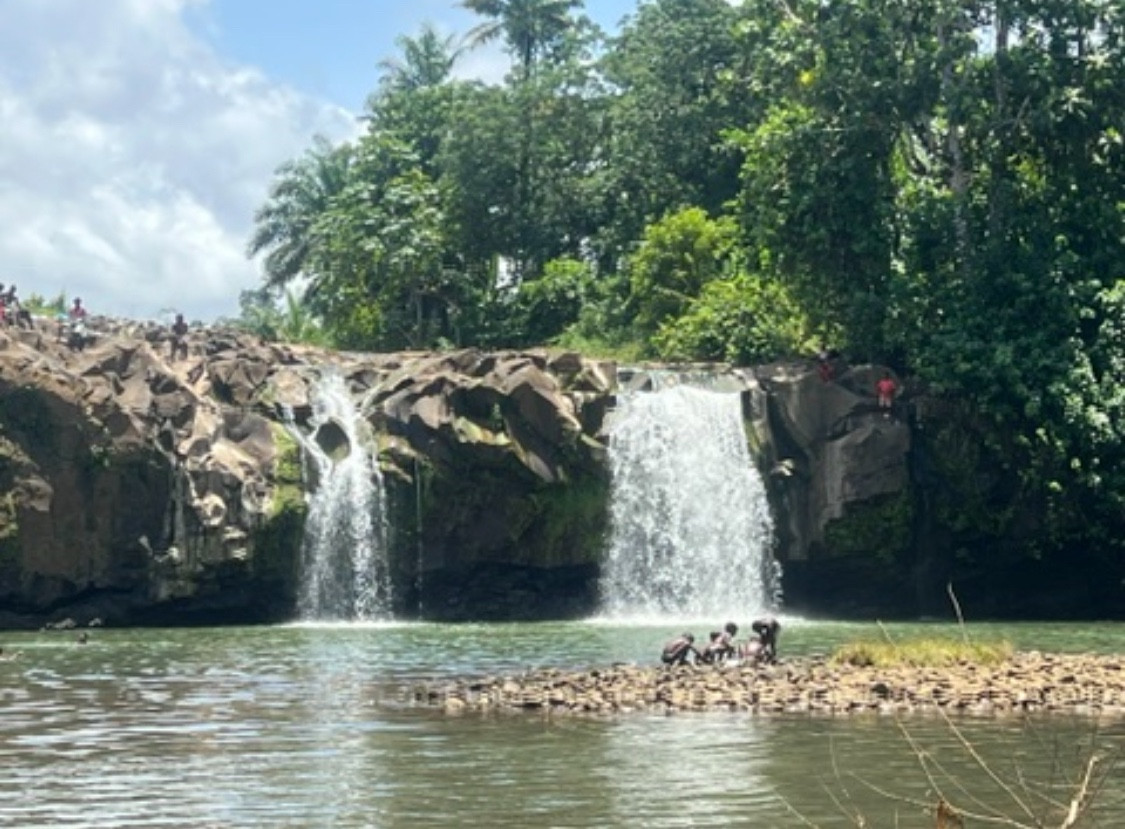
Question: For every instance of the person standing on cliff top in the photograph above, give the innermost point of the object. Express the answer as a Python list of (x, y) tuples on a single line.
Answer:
[(824, 363), (885, 390), (72, 330), (179, 334)]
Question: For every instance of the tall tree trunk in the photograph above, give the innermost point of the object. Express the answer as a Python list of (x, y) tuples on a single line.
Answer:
[(1001, 126), (958, 177)]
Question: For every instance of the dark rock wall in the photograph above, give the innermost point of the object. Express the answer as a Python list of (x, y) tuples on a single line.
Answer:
[(131, 488), (497, 485), (138, 489), (838, 473)]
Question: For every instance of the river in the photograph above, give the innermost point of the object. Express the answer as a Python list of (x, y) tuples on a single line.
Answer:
[(310, 726)]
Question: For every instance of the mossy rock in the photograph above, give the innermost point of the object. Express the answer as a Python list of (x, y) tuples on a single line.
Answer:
[(9, 517), (289, 493), (542, 525), (11, 551), (277, 543), (12, 459), (277, 547), (571, 521)]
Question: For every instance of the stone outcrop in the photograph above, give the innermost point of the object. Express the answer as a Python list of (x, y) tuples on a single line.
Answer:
[(496, 476), (831, 447), (839, 471), (137, 488), (1027, 683)]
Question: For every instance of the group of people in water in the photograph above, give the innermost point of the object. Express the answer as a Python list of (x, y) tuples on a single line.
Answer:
[(723, 647)]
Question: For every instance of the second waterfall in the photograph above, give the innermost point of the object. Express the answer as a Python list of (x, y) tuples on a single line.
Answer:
[(345, 572), (691, 533)]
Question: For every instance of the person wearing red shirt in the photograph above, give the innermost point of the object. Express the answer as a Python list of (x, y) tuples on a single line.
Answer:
[(73, 331), (885, 390)]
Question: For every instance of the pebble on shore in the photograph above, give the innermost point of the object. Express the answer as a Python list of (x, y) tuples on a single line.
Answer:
[(1029, 682)]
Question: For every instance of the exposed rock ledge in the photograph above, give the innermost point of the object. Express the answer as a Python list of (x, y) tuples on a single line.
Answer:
[(1030, 682)]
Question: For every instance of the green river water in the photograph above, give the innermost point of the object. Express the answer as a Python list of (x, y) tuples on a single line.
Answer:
[(307, 726)]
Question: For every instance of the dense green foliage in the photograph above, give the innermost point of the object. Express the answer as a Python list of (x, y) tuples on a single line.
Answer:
[(41, 306), (936, 185)]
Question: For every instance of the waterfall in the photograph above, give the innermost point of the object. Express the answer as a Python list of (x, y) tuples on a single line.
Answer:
[(345, 572), (691, 534)]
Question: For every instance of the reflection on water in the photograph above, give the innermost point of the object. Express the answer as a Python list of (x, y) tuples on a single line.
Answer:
[(689, 771), (304, 726)]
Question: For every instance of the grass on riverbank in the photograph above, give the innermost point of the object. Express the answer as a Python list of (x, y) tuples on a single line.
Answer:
[(921, 652)]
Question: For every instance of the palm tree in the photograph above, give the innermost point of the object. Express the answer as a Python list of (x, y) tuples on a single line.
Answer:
[(427, 61), (298, 323), (302, 191), (527, 26)]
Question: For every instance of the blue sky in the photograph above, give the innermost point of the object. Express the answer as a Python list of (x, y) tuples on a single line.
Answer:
[(139, 136), (332, 48)]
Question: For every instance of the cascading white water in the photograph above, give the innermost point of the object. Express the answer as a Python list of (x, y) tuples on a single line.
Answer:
[(345, 571), (691, 533)]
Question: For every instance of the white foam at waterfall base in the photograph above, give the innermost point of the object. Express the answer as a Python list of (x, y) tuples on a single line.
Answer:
[(691, 535), (344, 566)]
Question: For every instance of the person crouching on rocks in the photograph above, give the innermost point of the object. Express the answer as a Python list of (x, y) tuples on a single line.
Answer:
[(706, 653), (679, 651), (721, 647), (763, 648), (17, 314)]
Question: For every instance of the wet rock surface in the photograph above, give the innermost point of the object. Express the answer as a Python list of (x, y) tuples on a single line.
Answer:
[(1030, 682)]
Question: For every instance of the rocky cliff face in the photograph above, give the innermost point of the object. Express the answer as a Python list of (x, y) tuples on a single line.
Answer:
[(136, 487), (140, 489), (840, 479)]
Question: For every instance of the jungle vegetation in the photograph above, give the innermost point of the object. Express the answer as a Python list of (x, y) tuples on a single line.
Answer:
[(934, 185)]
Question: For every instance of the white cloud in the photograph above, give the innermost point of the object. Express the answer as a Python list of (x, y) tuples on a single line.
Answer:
[(483, 63), (132, 156)]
